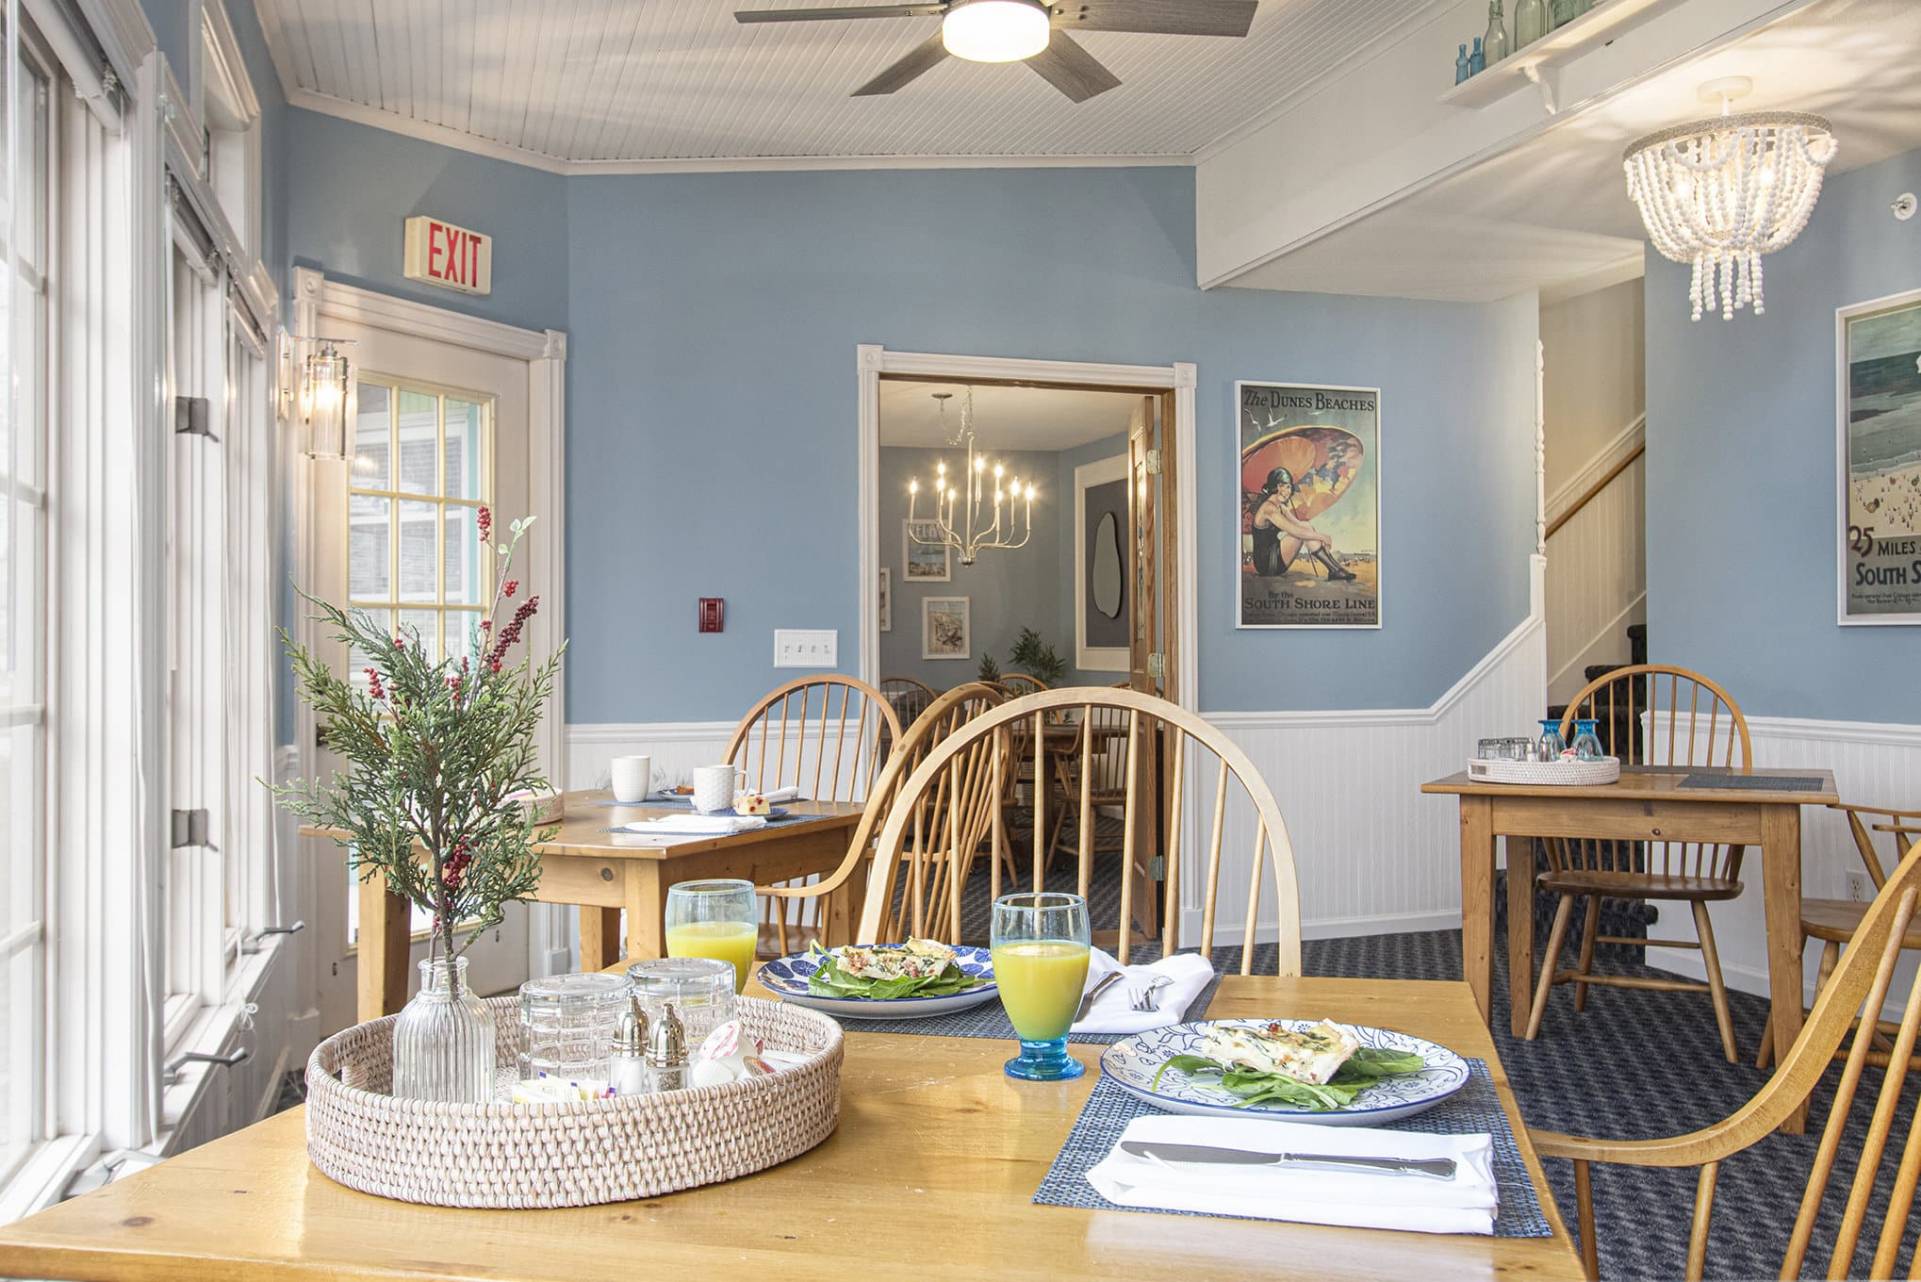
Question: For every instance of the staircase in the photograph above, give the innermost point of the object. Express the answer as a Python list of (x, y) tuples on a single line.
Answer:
[(1624, 727)]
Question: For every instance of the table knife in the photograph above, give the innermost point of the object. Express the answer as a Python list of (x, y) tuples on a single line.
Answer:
[(1100, 986), (1440, 1168)]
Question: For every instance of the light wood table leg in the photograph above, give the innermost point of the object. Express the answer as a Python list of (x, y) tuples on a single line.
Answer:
[(846, 904), (1781, 879), (1477, 899), (381, 951), (599, 938), (646, 909), (1520, 931)]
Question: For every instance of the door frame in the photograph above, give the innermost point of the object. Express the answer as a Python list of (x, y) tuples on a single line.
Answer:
[(873, 360), (317, 301)]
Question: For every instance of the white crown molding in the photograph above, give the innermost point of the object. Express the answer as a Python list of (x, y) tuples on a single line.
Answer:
[(375, 118), (1617, 451)]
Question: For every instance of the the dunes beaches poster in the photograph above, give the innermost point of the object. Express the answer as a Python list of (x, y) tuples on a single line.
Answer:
[(1310, 545)]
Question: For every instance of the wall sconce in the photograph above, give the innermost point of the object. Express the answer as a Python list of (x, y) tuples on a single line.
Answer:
[(325, 378)]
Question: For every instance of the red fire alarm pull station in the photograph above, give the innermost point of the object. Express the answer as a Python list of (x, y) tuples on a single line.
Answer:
[(713, 612)]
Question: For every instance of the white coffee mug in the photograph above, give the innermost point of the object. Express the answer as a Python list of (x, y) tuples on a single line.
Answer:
[(714, 788), (632, 776)]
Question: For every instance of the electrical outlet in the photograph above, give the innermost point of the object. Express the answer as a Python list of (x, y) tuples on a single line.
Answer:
[(804, 648), (1860, 887)]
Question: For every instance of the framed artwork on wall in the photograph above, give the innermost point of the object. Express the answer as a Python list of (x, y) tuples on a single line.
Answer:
[(1308, 493), (886, 599), (1101, 610), (945, 631), (1877, 393), (923, 562)]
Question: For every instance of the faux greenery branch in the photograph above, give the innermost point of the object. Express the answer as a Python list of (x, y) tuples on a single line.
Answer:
[(1036, 658), (442, 769)]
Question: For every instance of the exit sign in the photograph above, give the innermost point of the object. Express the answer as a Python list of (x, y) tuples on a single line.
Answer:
[(443, 254)]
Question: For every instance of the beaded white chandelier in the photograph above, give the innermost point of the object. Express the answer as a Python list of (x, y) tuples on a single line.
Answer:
[(1720, 193)]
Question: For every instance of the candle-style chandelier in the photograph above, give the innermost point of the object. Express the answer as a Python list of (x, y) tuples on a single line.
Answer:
[(1717, 194), (961, 501)]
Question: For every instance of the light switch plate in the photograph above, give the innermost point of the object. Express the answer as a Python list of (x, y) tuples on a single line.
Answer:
[(806, 648)]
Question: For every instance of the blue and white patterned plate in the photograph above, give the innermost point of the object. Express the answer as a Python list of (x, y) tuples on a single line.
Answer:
[(1131, 1065), (787, 978)]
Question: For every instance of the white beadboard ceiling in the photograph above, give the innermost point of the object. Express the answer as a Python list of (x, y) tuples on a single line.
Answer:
[(616, 83), (1005, 418)]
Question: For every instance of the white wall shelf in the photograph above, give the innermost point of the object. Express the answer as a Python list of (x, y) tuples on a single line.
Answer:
[(1536, 62)]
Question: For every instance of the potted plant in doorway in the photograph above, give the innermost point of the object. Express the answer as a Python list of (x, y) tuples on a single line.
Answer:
[(441, 763)]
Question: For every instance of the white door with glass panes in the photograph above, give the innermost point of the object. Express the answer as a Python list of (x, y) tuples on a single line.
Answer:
[(440, 431)]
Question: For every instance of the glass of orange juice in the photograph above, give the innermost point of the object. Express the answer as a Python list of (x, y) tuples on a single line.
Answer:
[(1040, 942), (715, 918)]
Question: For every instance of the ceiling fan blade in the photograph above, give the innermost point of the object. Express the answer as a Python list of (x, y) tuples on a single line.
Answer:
[(1071, 69), (829, 15), (1159, 17), (921, 58)]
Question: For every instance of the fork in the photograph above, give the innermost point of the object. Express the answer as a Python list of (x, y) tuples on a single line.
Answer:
[(1144, 997)]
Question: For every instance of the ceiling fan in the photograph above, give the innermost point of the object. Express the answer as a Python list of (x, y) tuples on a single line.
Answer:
[(1029, 30)]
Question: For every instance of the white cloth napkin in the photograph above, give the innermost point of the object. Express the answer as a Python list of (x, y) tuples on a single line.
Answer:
[(1111, 1013), (1305, 1194), (691, 825)]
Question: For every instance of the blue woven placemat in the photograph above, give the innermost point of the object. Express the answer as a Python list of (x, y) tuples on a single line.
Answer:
[(990, 1020), (1753, 783), (1474, 1110)]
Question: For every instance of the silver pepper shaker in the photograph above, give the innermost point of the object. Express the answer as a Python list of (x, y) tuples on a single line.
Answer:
[(627, 1070), (667, 1052)]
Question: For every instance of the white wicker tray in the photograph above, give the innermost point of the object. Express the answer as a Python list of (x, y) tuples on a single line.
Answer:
[(1565, 772), (566, 1154)]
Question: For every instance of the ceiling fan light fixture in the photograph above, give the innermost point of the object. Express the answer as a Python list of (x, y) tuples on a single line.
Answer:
[(995, 30)]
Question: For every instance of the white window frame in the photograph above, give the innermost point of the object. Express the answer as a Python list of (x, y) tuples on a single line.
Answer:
[(228, 110), (30, 868)]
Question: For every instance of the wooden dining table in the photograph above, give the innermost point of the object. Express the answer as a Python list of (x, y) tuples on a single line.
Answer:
[(929, 1176), (588, 862), (1648, 804)]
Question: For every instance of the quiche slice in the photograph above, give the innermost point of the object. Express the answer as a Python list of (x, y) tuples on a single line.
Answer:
[(1310, 1055)]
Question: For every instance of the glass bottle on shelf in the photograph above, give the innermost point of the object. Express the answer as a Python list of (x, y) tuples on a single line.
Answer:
[(1530, 22), (444, 1039), (1562, 12), (1494, 45), (1587, 744), (1460, 65), (1476, 62)]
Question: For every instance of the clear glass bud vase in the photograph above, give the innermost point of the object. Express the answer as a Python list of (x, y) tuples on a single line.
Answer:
[(444, 1039)]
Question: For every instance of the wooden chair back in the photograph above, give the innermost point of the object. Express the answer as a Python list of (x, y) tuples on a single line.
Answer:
[(908, 697), (1255, 816), (1859, 988), (797, 905), (1017, 684), (944, 825), (826, 735), (1653, 714), (1902, 824)]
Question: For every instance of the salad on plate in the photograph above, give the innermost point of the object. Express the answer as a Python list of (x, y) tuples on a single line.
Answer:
[(884, 972), (1318, 1068)]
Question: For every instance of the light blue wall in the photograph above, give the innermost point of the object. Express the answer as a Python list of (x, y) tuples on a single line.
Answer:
[(712, 323), (1741, 482), (355, 188)]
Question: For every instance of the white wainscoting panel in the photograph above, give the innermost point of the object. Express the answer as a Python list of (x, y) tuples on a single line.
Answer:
[(1874, 764), (1373, 855), (676, 747)]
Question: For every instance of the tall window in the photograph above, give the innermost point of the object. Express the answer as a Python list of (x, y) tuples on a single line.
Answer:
[(23, 623), (422, 470)]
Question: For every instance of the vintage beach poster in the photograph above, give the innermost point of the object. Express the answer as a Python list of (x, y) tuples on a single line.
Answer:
[(1881, 463), (1310, 491)]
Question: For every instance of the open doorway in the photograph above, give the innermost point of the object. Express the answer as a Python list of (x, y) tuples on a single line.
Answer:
[(1092, 587)]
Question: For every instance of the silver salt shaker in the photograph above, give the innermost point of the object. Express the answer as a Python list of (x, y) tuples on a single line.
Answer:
[(627, 1067), (667, 1052)]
